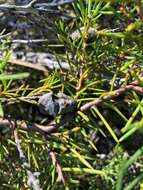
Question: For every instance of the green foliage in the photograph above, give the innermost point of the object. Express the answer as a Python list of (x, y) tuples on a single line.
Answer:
[(103, 46)]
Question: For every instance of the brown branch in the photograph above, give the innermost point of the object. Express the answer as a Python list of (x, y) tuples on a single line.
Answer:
[(56, 163), (6, 125), (36, 66), (111, 95), (138, 89), (40, 128)]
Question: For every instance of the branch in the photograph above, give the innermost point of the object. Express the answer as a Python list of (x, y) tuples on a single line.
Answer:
[(26, 166), (6, 125), (19, 62), (30, 41), (108, 96), (40, 128)]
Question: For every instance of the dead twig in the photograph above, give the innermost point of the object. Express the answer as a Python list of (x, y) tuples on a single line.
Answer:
[(6, 125), (57, 165), (36, 66), (30, 41)]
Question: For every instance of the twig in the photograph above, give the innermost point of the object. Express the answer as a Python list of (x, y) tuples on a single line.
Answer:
[(31, 3), (44, 61), (40, 128), (8, 6), (30, 41), (5, 125), (132, 86), (32, 180), (4, 36), (36, 66), (57, 165), (21, 9), (124, 10), (55, 4)]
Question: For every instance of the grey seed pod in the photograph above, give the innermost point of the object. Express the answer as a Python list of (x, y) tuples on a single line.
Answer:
[(47, 105), (66, 104), (54, 104)]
